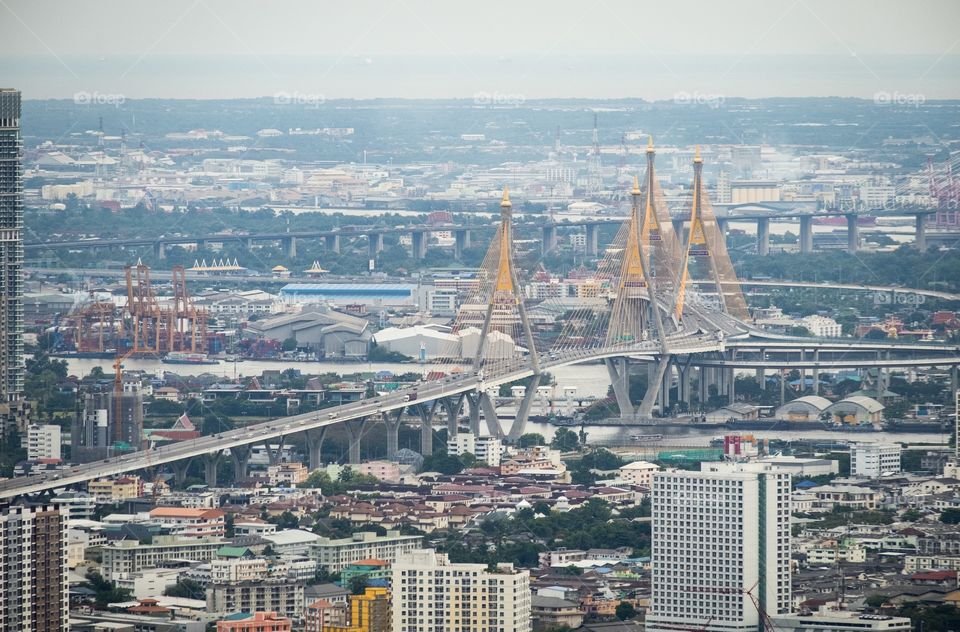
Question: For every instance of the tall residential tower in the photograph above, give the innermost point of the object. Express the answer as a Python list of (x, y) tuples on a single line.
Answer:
[(721, 548), (12, 406)]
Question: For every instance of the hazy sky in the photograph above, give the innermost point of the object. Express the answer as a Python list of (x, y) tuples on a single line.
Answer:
[(583, 48)]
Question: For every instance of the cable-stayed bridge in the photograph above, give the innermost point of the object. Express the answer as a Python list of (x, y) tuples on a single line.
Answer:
[(667, 299)]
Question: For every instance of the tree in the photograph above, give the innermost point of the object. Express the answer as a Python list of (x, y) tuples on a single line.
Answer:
[(875, 601), (950, 516), (358, 584), (531, 439), (289, 344), (565, 440), (186, 589), (625, 610)]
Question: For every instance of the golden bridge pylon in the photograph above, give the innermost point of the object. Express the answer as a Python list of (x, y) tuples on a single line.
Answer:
[(634, 316), (705, 258), (658, 237)]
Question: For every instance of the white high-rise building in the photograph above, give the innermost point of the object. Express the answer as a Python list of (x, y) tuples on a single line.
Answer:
[(487, 449), (430, 593), (721, 538), (873, 460), (43, 441)]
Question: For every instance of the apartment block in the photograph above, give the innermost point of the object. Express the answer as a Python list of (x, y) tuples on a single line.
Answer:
[(334, 555)]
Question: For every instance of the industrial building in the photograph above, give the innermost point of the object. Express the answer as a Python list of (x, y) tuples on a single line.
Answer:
[(856, 410), (323, 330), (369, 294), (806, 408), (423, 342)]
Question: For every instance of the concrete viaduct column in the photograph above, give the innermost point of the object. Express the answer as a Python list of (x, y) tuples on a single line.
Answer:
[(391, 420), (246, 243), (274, 456), (452, 407), (240, 455), (523, 412), (180, 471), (593, 239), (210, 463), (763, 236), (655, 380), (160, 250), (354, 429), (816, 372), (201, 244), (490, 415), (461, 241), (332, 243), (549, 238), (375, 244), (853, 234), (314, 439), (723, 224), (419, 241), (806, 235), (921, 240), (473, 407), (426, 427), (290, 246), (619, 371), (954, 380)]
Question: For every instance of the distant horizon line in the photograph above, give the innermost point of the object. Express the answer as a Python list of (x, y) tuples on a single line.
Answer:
[(526, 101)]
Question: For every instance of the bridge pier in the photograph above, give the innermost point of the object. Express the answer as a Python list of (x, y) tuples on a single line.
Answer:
[(549, 238), (473, 406), (354, 429), (461, 241), (664, 399), (954, 380), (274, 456), (703, 386), (240, 455), (490, 415), (375, 244), (783, 387), (806, 234), (314, 439), (201, 244), (426, 426), (593, 239), (523, 412), (246, 243), (803, 372), (210, 464), (393, 432), (763, 236), (419, 240), (853, 234), (816, 372), (645, 410), (722, 225), (731, 380), (452, 409), (762, 379), (160, 250), (290, 246), (332, 243), (619, 371), (921, 239), (180, 471)]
